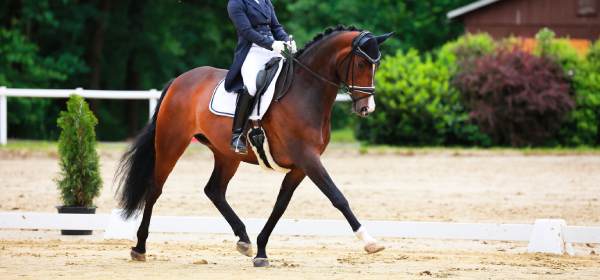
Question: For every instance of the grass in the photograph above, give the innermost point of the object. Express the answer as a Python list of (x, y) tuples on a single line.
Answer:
[(340, 139), (457, 151), (345, 135), (48, 146)]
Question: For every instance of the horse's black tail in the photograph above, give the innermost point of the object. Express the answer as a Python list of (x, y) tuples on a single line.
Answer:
[(136, 169)]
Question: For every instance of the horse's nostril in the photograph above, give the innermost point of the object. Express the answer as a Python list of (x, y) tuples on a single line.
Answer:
[(364, 111)]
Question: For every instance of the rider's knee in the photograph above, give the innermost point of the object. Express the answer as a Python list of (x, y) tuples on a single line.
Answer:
[(251, 90)]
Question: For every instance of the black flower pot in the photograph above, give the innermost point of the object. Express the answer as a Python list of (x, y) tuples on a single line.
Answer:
[(75, 210)]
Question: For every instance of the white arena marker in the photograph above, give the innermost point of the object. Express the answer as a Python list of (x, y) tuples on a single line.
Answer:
[(118, 228), (548, 236)]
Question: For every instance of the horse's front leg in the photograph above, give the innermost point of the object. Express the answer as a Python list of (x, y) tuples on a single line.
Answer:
[(290, 182), (315, 170)]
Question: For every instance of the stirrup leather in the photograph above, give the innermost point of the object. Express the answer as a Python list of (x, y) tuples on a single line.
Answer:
[(238, 144)]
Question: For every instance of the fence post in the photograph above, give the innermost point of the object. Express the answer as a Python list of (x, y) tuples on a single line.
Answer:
[(79, 91), (3, 117), (152, 104), (548, 236)]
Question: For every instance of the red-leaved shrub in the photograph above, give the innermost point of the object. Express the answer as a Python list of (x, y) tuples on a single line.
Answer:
[(516, 98)]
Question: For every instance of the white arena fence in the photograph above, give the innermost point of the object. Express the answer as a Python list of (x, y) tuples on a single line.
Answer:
[(544, 236), (151, 95)]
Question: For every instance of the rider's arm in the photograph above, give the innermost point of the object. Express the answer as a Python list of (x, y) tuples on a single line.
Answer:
[(238, 16), (276, 28)]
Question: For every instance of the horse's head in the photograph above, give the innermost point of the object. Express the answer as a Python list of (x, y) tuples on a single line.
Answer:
[(357, 71)]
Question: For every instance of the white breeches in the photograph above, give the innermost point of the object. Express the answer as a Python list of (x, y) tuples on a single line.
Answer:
[(255, 61)]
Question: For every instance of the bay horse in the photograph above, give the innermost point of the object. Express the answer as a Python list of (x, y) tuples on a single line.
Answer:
[(298, 128)]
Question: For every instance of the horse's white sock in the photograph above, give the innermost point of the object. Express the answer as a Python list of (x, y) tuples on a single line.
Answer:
[(363, 235)]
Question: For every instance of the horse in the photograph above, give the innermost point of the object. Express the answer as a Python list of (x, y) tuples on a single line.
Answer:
[(298, 127)]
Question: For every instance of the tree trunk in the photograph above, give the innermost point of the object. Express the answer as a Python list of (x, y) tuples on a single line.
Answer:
[(132, 83), (98, 39), (13, 10), (132, 78)]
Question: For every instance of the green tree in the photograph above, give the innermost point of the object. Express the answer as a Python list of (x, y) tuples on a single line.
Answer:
[(25, 64), (583, 126), (80, 180), (141, 44), (418, 24)]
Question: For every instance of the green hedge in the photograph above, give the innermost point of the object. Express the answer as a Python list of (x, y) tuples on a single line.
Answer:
[(582, 128), (464, 51), (417, 103)]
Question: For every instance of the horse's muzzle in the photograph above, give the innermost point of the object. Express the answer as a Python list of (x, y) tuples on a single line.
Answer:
[(364, 112)]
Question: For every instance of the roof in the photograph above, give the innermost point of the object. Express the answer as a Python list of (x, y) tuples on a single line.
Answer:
[(469, 8)]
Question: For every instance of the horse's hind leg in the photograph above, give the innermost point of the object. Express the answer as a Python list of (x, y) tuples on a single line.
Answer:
[(215, 189), (169, 145)]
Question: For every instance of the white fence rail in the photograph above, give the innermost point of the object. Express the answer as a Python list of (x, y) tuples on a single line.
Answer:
[(549, 236), (151, 95)]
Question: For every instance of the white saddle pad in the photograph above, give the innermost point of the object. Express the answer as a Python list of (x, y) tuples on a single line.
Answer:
[(223, 103)]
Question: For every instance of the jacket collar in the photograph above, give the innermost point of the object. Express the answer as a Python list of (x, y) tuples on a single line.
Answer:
[(261, 8)]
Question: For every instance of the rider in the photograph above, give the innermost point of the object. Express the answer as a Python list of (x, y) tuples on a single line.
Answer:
[(260, 38)]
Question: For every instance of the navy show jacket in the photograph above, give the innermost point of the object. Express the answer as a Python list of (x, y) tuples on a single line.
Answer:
[(255, 23)]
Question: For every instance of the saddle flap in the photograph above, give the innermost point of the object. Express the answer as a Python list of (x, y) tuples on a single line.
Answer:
[(286, 77), (223, 103), (265, 76)]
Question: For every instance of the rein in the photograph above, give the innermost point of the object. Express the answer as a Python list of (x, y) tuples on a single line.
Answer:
[(356, 51), (317, 75)]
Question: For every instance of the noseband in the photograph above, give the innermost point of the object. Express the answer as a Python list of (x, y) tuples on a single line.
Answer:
[(357, 43)]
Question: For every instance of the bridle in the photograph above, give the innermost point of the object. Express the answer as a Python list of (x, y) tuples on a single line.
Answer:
[(357, 43)]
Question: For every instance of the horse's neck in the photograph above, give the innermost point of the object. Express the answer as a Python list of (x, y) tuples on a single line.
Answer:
[(320, 95)]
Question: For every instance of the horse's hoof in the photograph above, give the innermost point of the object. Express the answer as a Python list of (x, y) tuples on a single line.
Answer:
[(135, 256), (260, 262), (374, 248), (244, 248)]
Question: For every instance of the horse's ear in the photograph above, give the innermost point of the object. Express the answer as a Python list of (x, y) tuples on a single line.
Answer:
[(381, 38)]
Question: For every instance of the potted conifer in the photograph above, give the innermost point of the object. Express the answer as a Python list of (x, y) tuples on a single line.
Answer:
[(79, 182)]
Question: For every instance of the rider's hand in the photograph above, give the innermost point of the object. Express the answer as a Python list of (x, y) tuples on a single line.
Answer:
[(293, 47), (278, 46)]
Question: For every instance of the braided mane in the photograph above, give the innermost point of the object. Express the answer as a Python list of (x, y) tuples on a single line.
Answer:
[(328, 31)]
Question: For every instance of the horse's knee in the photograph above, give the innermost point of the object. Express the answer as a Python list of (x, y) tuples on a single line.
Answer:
[(340, 203)]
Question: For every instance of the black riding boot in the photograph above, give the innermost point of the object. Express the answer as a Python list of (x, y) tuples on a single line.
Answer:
[(242, 112)]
